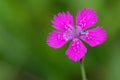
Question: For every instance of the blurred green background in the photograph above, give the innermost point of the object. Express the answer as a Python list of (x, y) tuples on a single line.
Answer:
[(24, 54)]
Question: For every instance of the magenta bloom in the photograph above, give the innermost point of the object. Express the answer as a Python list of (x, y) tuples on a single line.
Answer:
[(66, 31)]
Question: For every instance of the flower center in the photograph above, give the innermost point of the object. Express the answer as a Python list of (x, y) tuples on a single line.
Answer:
[(72, 33)]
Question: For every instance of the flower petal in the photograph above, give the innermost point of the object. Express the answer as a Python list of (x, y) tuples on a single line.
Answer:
[(95, 36), (86, 18), (63, 21), (76, 50), (56, 39)]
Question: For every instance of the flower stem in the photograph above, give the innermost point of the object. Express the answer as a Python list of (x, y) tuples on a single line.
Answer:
[(82, 70)]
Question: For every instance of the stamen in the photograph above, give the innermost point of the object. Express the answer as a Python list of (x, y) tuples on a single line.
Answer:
[(70, 33)]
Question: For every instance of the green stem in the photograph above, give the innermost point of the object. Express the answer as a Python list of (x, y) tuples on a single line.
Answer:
[(82, 70)]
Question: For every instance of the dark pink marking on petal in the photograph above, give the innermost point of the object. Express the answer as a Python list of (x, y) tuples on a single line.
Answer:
[(63, 21), (86, 18), (56, 39), (95, 36), (76, 50)]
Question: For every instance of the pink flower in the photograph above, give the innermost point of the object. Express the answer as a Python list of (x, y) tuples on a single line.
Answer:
[(66, 31)]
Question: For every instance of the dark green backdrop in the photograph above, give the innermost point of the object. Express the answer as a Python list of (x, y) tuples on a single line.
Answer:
[(24, 54)]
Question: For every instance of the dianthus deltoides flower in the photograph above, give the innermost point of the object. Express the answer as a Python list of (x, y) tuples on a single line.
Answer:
[(66, 31)]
